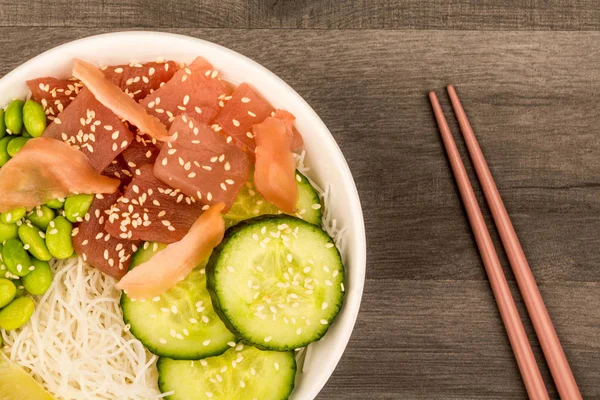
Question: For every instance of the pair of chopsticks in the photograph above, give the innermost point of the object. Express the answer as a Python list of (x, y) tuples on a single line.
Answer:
[(553, 351)]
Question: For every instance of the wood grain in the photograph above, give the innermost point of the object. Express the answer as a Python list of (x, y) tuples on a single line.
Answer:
[(445, 340), (306, 14), (428, 328)]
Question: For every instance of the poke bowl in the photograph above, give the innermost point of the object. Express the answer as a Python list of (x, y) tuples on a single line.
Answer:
[(320, 161)]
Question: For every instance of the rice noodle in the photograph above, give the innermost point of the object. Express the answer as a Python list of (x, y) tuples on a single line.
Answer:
[(77, 344)]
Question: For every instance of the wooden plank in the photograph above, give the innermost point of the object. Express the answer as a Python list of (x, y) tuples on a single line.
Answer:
[(321, 14), (445, 340), (532, 107)]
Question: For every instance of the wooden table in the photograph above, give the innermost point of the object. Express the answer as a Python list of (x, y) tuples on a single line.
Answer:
[(529, 76)]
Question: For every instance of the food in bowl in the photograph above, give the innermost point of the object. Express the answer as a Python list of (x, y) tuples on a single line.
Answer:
[(184, 191)]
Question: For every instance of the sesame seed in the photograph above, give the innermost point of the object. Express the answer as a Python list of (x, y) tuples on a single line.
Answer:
[(329, 245), (268, 338), (276, 365), (249, 135), (162, 340), (206, 342)]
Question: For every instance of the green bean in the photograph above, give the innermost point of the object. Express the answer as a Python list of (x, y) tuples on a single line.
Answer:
[(15, 257), (17, 313), (14, 215), (15, 145), (41, 216), (58, 238), (38, 281), (34, 118), (13, 117), (8, 231), (2, 124), (77, 206), (4, 157), (20, 288), (34, 242), (57, 204), (7, 292)]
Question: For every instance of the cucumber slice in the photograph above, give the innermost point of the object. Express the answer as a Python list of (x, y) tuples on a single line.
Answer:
[(242, 372), (181, 323), (250, 204), (277, 282)]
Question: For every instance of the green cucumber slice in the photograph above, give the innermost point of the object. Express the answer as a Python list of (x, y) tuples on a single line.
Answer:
[(277, 282), (181, 323), (250, 204), (240, 373)]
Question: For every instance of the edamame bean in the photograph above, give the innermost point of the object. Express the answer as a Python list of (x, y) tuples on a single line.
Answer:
[(13, 117), (57, 204), (77, 206), (17, 313), (41, 216), (20, 288), (38, 281), (4, 157), (15, 145), (2, 125), (58, 238), (7, 231), (14, 215), (7, 291), (15, 257), (26, 134), (34, 118), (33, 242)]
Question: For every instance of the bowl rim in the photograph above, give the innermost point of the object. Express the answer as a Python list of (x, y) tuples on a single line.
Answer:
[(353, 298)]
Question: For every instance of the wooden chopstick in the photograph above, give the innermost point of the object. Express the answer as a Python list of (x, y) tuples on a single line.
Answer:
[(506, 304), (553, 351)]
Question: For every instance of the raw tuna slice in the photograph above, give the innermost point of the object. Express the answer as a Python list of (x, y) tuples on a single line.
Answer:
[(275, 169), (46, 169), (202, 164), (171, 265), (140, 152), (152, 211), (118, 169), (92, 128), (54, 94), (139, 80), (111, 96), (109, 254), (194, 90), (244, 109)]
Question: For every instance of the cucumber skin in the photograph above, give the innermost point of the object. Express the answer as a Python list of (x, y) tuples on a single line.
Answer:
[(162, 360), (210, 279)]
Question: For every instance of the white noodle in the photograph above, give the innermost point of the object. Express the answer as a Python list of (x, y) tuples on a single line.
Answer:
[(77, 344)]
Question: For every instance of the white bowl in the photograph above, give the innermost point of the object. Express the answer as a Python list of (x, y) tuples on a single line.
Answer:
[(328, 166)]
